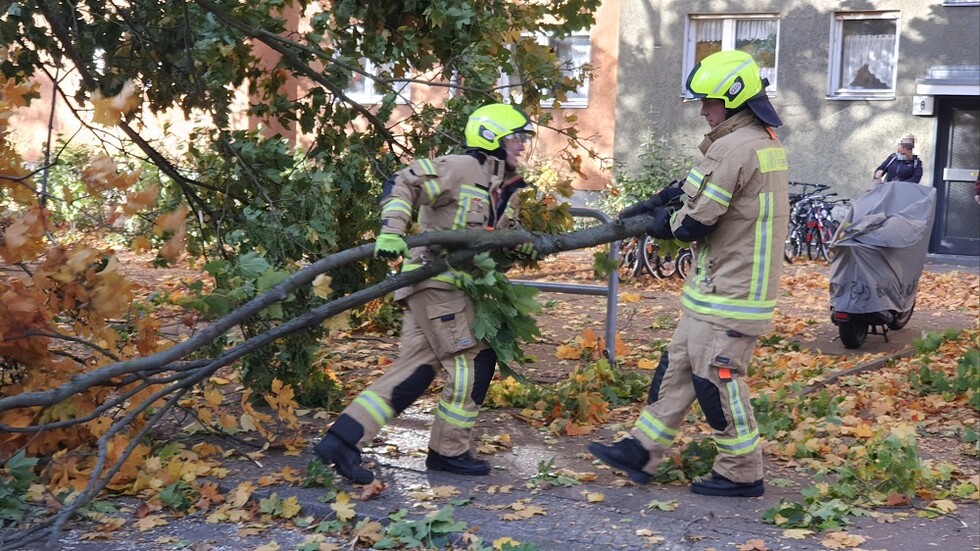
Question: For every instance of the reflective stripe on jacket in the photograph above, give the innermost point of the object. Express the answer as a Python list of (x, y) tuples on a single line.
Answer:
[(741, 188)]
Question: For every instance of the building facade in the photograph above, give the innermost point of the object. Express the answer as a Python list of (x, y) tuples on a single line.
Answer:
[(848, 80)]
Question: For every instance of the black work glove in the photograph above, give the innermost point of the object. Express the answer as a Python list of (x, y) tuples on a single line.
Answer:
[(662, 198), (643, 207), (660, 228), (671, 193)]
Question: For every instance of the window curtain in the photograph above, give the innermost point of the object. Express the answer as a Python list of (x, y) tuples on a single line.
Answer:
[(868, 61)]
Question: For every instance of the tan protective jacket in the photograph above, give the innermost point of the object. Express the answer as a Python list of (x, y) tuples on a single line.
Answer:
[(741, 188), (454, 192)]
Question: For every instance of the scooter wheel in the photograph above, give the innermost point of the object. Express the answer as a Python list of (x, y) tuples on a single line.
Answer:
[(852, 333), (902, 318)]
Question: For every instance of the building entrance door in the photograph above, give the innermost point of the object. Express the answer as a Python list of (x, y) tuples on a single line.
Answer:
[(957, 227)]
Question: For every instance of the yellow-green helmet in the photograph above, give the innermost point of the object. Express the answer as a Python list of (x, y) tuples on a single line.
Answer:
[(490, 123), (731, 76)]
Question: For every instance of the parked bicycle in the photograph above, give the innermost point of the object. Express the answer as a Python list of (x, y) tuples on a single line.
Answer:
[(644, 254), (811, 223)]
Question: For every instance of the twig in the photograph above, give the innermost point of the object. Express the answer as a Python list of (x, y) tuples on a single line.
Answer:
[(859, 368)]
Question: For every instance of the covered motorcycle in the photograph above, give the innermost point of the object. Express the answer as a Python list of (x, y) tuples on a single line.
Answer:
[(878, 255)]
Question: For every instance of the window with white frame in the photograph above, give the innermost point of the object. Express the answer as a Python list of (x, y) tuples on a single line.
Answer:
[(574, 52), (367, 91), (754, 34), (863, 55)]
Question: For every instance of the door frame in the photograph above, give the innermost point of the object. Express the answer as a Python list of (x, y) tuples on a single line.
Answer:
[(938, 242)]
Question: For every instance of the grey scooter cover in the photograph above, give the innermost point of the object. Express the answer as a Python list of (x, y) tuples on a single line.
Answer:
[(880, 249)]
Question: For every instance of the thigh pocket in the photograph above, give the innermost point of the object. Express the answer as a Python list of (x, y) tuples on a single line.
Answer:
[(450, 325)]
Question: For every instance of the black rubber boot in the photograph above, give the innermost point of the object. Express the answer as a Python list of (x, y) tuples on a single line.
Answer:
[(464, 464), (626, 455), (345, 458), (717, 485)]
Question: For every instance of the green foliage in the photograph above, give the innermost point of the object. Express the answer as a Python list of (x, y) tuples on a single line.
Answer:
[(930, 341), (319, 476), (430, 532), (887, 464), (660, 162), (693, 461), (503, 310), (966, 380), (581, 398), (16, 476), (179, 496), (548, 477)]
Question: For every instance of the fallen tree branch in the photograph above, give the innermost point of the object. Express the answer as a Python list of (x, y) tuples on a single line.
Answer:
[(859, 368), (178, 376)]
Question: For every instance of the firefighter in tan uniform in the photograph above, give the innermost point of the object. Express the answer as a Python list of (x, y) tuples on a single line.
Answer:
[(477, 189), (735, 206)]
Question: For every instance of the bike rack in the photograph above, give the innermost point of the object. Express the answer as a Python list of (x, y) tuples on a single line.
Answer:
[(610, 290)]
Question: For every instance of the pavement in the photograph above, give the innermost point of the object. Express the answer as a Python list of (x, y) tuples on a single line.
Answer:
[(628, 517)]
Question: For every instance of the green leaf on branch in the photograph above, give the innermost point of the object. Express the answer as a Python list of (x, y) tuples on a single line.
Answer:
[(503, 310)]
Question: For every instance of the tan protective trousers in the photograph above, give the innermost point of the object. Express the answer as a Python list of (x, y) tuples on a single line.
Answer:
[(436, 332), (708, 363)]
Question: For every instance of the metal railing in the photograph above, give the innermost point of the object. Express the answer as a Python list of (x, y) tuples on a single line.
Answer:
[(610, 290)]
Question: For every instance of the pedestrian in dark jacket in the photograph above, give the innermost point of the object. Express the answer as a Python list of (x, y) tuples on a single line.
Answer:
[(901, 166)]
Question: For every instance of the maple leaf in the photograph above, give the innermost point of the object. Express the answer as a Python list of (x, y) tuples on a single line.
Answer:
[(797, 533), (108, 111), (753, 545), (343, 507), (372, 490), (371, 531), (16, 94), (842, 540), (321, 286), (566, 352), (150, 522), (241, 494), (140, 200)]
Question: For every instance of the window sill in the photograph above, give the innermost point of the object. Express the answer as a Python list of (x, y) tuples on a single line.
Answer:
[(860, 98)]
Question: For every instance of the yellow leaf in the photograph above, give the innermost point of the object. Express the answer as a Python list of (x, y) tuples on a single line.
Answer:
[(271, 546), (594, 497), (630, 297), (943, 505), (343, 507), (566, 352), (842, 540), (107, 111), (321, 286), (372, 531), (213, 396), (498, 543), (863, 431), (797, 533), (150, 522), (241, 494), (290, 507), (644, 363), (589, 338)]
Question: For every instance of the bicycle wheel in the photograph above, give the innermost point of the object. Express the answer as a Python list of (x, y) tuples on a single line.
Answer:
[(649, 249), (629, 258), (793, 247), (685, 261), (666, 265)]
